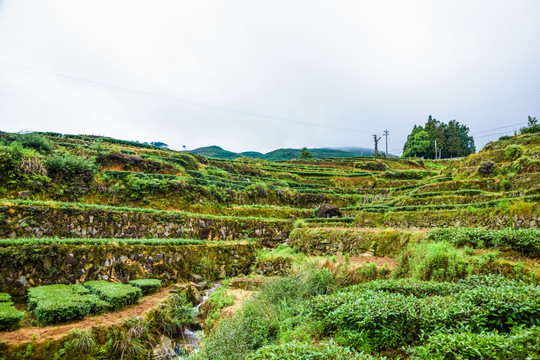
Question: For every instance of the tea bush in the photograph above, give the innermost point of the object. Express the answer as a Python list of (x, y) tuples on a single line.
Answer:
[(305, 351), (10, 317), (147, 286), (117, 295), (526, 241), (57, 303), (521, 344)]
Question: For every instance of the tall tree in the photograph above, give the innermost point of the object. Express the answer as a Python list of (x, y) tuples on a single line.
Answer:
[(452, 139)]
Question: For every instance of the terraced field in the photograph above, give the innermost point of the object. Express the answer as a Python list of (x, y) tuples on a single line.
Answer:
[(361, 257)]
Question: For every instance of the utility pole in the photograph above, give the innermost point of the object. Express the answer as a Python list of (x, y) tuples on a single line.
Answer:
[(376, 152), (386, 133), (436, 150)]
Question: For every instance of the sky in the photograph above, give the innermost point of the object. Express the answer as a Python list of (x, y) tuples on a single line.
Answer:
[(261, 75)]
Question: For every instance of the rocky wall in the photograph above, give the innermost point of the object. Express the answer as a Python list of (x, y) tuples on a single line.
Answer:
[(516, 218), (17, 220), (378, 242), (25, 266)]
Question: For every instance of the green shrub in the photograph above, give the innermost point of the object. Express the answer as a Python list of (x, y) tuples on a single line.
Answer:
[(439, 261), (526, 241), (10, 318), (58, 303), (522, 344), (117, 295), (147, 286), (305, 351), (512, 152), (36, 142), (405, 175), (5, 297), (69, 164), (372, 166)]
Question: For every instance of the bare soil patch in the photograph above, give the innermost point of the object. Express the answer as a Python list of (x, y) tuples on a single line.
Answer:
[(241, 296)]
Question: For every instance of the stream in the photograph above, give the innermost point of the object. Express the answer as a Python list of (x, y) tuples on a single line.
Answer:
[(188, 341)]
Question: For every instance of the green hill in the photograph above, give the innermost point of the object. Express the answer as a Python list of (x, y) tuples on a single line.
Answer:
[(276, 155)]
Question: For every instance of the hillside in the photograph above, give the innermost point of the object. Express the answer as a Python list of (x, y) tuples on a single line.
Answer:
[(340, 257), (276, 155)]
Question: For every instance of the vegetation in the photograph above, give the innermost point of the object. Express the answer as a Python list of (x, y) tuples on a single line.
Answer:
[(430, 259), (147, 286), (10, 317), (452, 139)]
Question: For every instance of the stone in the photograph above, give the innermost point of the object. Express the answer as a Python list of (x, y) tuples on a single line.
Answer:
[(195, 278), (328, 211), (70, 259)]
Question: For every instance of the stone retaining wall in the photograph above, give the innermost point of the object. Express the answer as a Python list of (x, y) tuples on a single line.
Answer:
[(18, 220), (328, 241), (25, 266)]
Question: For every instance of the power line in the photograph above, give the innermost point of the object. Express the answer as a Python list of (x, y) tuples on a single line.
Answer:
[(135, 92), (502, 133), (503, 127)]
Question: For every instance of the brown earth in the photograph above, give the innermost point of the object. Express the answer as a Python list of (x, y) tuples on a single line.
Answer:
[(55, 332), (240, 297)]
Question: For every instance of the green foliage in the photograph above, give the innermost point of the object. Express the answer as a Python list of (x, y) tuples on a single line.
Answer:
[(439, 261), (269, 315), (389, 314), (4, 297), (171, 316), (147, 286), (405, 175), (36, 142), (305, 351), (305, 154), (117, 295), (453, 139), (513, 152), (526, 241), (10, 318), (521, 344), (69, 164), (372, 165), (58, 303)]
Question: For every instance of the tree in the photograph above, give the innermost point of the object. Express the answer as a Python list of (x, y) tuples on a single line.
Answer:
[(532, 121), (452, 139), (305, 154), (160, 144), (417, 144)]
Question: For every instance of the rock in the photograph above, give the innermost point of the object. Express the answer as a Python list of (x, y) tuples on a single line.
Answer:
[(201, 285), (328, 211), (70, 259), (195, 278)]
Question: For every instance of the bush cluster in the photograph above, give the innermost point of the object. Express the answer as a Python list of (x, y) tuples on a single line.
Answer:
[(147, 286), (382, 317), (58, 303), (526, 241), (10, 318), (117, 295), (53, 304)]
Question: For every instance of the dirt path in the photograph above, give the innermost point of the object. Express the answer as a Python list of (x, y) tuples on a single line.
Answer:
[(240, 297), (55, 332)]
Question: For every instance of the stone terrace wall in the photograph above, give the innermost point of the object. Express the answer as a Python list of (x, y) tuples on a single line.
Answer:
[(25, 266), (483, 218), (86, 222), (379, 242)]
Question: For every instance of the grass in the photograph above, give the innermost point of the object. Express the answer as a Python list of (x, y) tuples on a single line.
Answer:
[(84, 241)]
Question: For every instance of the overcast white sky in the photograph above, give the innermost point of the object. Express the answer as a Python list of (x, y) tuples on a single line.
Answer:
[(260, 75)]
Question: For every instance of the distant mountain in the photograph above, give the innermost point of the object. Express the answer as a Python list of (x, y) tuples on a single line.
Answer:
[(276, 155), (359, 151), (215, 152)]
